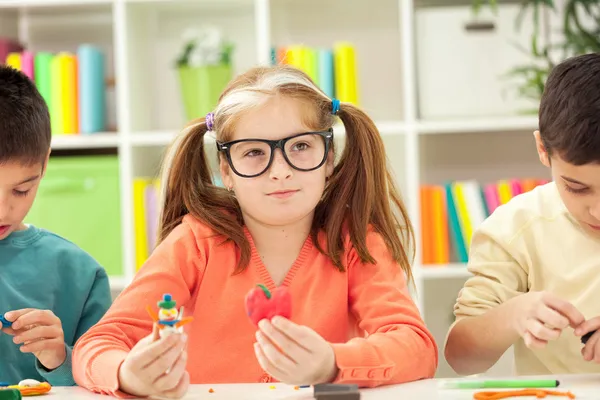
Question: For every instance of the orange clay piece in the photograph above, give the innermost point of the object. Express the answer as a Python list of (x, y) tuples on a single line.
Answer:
[(42, 388), (211, 390), (539, 393)]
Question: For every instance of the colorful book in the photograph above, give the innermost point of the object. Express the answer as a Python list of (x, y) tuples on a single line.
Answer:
[(42, 66), (456, 235), (439, 220), (70, 112), (140, 222), (504, 191), (452, 212), (56, 93), (427, 235), (326, 77), (92, 92), (491, 197), (14, 60), (8, 46), (345, 73), (27, 64)]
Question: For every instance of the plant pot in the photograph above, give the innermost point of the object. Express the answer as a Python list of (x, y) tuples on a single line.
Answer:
[(201, 88)]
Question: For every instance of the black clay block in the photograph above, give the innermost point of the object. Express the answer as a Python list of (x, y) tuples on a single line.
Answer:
[(330, 391), (340, 395), (334, 387), (587, 337)]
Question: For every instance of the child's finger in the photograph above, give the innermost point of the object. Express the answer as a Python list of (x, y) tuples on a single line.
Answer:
[(590, 347), (588, 326), (168, 382), (533, 342), (42, 344), (9, 331), (541, 331), (42, 331), (165, 361), (266, 364), (283, 354), (179, 390), (13, 315), (155, 332), (36, 317), (286, 345), (298, 333), (552, 318), (565, 308), (146, 355)]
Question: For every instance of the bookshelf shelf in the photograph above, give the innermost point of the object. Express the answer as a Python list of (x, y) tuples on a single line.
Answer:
[(51, 3), (442, 271), (478, 125), (96, 140), (118, 283)]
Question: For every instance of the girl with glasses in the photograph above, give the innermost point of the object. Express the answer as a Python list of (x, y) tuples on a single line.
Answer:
[(334, 235)]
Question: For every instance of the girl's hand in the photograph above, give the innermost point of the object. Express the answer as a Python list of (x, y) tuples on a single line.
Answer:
[(39, 332), (156, 368), (591, 350), (294, 354)]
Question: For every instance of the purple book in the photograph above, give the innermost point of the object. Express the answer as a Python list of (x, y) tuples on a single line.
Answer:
[(151, 200), (8, 46)]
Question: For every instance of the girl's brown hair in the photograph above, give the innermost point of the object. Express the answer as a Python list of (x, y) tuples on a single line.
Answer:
[(361, 190)]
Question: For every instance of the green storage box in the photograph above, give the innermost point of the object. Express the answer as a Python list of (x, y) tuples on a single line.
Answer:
[(201, 87), (79, 200)]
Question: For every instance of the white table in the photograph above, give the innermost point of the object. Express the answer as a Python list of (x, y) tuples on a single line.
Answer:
[(585, 387)]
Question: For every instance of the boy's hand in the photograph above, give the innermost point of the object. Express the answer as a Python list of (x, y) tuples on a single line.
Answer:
[(156, 368), (294, 354), (40, 332), (543, 317), (591, 350)]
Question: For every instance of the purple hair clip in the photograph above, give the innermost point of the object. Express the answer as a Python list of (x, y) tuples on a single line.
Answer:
[(210, 121)]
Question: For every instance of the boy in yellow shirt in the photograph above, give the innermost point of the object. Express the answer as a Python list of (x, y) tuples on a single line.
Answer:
[(536, 260)]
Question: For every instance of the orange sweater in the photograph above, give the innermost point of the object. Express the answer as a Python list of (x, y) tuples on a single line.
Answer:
[(195, 266)]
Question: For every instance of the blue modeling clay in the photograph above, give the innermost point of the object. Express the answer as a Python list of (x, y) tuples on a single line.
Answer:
[(4, 322)]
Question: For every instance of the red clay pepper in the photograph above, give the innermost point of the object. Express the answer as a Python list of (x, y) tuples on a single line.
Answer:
[(262, 303)]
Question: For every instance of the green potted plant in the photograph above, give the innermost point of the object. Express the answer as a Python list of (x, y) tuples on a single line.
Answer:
[(579, 34), (204, 67)]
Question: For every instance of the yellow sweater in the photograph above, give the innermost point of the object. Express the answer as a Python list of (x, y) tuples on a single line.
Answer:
[(534, 244)]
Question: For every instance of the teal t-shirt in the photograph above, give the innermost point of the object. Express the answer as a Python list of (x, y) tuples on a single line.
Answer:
[(41, 270)]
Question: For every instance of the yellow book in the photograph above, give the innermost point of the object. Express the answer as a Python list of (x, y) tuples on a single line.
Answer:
[(504, 192), (14, 60), (311, 64), (68, 72), (463, 214), (346, 86), (139, 220), (295, 57), (56, 95)]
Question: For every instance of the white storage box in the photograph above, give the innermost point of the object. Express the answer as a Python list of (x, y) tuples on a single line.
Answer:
[(473, 62)]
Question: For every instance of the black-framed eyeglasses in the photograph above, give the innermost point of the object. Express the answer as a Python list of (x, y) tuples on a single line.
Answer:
[(249, 158)]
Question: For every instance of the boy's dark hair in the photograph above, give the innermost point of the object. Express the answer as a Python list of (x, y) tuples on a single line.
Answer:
[(570, 110), (25, 131)]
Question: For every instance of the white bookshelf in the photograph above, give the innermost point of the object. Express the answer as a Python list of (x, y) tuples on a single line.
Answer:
[(142, 38)]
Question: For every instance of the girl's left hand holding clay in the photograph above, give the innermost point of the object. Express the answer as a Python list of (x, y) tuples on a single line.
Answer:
[(294, 354), (40, 332)]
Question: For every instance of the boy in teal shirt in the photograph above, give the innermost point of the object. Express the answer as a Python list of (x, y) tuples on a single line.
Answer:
[(51, 292)]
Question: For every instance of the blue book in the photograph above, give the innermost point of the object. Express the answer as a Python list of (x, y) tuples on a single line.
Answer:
[(92, 90), (325, 72)]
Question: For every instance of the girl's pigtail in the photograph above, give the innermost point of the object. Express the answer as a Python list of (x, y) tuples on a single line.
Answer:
[(361, 191), (187, 188)]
